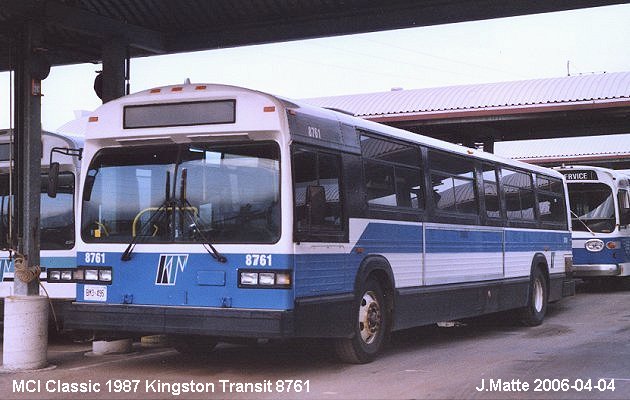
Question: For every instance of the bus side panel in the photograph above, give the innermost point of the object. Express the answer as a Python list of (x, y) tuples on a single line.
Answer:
[(321, 271), (522, 245), (325, 282), (462, 254), (399, 243)]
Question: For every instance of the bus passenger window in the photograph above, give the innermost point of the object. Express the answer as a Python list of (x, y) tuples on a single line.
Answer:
[(519, 195), (551, 202), (379, 183), (453, 183), (392, 173), (316, 191)]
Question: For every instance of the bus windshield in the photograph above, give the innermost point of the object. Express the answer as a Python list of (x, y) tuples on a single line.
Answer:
[(592, 206), (183, 193), (57, 214)]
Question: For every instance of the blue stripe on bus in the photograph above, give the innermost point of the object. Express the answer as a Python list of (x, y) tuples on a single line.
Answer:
[(317, 274), (58, 262), (521, 241), (463, 241), (395, 238), (391, 238)]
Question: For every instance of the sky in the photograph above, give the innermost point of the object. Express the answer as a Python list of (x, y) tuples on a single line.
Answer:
[(593, 40)]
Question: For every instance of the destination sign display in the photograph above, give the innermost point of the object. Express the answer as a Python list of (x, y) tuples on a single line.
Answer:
[(180, 114), (580, 175)]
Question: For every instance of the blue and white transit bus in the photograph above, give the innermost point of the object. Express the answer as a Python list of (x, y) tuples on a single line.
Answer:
[(213, 212), (57, 222), (600, 206)]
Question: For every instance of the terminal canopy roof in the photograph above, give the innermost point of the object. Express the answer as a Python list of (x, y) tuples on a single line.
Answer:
[(584, 105), (76, 30)]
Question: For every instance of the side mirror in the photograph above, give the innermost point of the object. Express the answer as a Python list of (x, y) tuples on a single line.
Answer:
[(88, 185), (316, 204), (53, 180)]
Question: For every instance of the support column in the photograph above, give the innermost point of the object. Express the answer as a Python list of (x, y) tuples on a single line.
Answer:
[(28, 150), (26, 313), (114, 68)]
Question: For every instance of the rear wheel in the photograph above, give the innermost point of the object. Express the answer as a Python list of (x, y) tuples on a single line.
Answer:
[(534, 313), (371, 328)]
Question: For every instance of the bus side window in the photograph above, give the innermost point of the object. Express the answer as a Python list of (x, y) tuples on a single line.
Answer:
[(316, 180)]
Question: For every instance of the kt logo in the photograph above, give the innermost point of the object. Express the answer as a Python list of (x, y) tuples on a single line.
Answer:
[(168, 266), (6, 268)]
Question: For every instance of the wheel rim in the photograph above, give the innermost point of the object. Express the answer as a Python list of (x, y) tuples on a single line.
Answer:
[(369, 317), (538, 295)]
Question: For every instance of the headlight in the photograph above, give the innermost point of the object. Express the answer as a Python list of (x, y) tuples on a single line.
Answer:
[(61, 275), (594, 245), (80, 275), (91, 275), (249, 278), (264, 279)]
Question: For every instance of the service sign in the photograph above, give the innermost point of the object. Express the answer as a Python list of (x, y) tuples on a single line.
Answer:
[(580, 175)]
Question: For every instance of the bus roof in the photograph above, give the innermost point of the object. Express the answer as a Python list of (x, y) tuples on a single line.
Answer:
[(201, 91)]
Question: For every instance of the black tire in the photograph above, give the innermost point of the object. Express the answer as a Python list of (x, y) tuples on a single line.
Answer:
[(193, 345), (371, 329), (534, 313)]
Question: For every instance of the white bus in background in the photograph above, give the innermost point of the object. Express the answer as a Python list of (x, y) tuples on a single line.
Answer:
[(57, 230), (600, 208)]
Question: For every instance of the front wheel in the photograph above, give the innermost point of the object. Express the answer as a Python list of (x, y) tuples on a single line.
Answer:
[(534, 313), (371, 327)]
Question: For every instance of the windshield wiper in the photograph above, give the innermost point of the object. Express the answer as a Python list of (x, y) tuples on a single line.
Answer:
[(186, 209), (166, 204)]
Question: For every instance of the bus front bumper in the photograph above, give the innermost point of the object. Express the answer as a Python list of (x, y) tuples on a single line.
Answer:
[(140, 319), (596, 270), (326, 316)]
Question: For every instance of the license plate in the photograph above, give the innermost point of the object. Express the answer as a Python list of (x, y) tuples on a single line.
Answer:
[(95, 293)]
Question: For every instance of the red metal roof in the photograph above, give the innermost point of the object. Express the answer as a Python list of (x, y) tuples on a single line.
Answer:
[(583, 89)]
